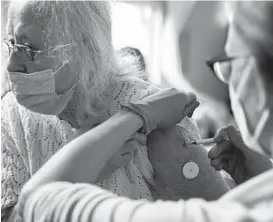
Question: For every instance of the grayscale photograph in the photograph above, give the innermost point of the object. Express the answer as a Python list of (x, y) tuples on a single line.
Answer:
[(136, 111)]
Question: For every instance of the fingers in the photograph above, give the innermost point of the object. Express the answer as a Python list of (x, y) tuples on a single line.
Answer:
[(219, 167), (219, 149), (232, 134), (220, 155), (191, 104), (189, 109), (129, 145), (221, 135), (235, 138), (220, 159), (220, 163), (191, 97), (140, 137)]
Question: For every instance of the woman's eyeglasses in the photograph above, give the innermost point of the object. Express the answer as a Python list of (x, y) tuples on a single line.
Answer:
[(221, 66), (26, 53)]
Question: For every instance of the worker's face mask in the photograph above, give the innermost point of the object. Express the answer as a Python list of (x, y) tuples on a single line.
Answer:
[(248, 103), (36, 92)]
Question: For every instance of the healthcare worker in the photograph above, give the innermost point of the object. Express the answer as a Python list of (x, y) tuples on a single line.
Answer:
[(244, 155)]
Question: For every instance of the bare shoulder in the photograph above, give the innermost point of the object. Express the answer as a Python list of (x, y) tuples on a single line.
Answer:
[(182, 172)]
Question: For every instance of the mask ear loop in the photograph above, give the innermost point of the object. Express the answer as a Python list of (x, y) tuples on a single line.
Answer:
[(64, 64), (67, 60), (243, 80), (259, 129), (265, 116)]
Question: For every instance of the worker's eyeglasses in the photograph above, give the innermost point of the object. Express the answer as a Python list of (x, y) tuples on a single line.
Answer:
[(26, 53), (221, 66)]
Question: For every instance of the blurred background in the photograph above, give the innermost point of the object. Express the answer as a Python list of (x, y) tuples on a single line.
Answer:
[(174, 39)]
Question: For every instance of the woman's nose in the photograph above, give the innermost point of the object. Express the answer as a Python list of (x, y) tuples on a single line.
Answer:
[(15, 63)]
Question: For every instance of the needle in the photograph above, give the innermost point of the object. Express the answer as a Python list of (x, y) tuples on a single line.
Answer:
[(204, 141)]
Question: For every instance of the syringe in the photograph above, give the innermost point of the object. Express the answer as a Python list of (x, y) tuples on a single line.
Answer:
[(203, 141)]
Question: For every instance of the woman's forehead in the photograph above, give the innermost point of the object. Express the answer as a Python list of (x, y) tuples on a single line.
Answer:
[(21, 14), (23, 23)]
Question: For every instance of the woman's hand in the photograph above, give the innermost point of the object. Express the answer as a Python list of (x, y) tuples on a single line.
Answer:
[(164, 109), (233, 156), (123, 156)]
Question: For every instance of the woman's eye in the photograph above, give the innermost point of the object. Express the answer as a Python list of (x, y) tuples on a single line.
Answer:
[(29, 46), (11, 41)]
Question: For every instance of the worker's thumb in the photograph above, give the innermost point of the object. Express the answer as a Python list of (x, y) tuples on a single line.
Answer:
[(140, 137), (235, 138), (189, 109)]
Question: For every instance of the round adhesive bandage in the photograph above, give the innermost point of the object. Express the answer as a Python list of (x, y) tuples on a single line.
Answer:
[(190, 170)]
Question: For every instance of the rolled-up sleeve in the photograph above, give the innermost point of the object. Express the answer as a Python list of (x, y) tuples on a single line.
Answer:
[(65, 202)]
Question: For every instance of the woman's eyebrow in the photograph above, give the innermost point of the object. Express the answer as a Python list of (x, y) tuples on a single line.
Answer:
[(24, 33)]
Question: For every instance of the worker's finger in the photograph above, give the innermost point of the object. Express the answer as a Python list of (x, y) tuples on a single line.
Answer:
[(219, 148), (140, 137), (235, 138), (220, 166), (215, 162), (221, 134), (223, 157), (189, 109), (128, 148), (191, 97)]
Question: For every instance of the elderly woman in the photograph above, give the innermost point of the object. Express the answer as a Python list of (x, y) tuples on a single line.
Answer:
[(245, 156), (65, 80)]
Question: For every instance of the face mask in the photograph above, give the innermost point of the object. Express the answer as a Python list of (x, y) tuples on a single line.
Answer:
[(36, 92), (250, 139)]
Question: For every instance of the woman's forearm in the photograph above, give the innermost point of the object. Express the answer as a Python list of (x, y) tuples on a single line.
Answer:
[(82, 159)]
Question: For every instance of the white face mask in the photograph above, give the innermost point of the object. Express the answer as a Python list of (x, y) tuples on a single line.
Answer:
[(250, 139), (36, 92)]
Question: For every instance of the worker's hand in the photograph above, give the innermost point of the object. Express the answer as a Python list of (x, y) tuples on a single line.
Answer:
[(123, 156), (164, 109), (232, 155)]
